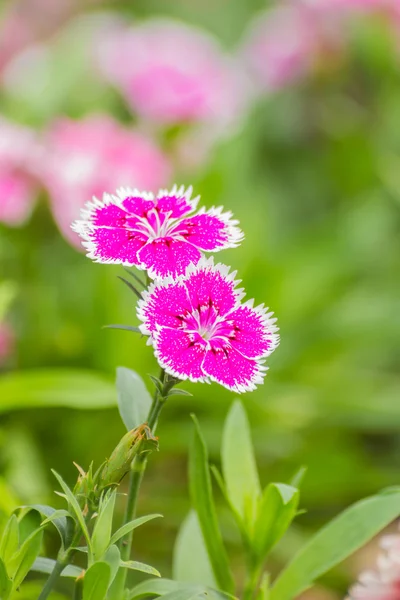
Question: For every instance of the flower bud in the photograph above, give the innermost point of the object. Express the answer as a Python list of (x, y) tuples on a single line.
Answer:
[(118, 465)]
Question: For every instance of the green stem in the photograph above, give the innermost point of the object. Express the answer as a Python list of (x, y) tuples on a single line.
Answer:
[(252, 582), (135, 480), (52, 580)]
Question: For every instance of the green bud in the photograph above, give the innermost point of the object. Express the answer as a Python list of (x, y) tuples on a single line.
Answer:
[(135, 442)]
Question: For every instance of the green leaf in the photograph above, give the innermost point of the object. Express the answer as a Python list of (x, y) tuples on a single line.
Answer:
[(71, 388), (277, 509), (25, 557), (238, 464), (73, 502), (5, 582), (130, 286), (134, 400), (163, 587), (96, 581), (103, 526), (46, 565), (58, 518), (113, 558), (128, 527), (155, 587), (123, 328), (202, 499), (134, 565), (10, 539), (334, 542), (184, 594), (190, 559)]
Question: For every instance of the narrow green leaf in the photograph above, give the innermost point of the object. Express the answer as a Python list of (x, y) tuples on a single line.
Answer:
[(190, 559), (130, 286), (71, 388), (334, 542), (5, 582), (179, 392), (298, 477), (134, 565), (202, 499), (162, 587), (25, 557), (123, 328), (46, 565), (96, 581), (134, 400), (155, 587), (263, 590), (239, 465), (128, 527), (184, 594), (103, 526), (277, 509), (10, 539), (73, 502), (113, 558)]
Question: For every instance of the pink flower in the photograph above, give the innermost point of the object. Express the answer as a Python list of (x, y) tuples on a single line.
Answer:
[(200, 330), (384, 583), (88, 156), (170, 72), (159, 234), (285, 43), (18, 188)]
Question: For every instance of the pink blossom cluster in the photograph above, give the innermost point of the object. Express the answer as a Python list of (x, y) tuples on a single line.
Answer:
[(384, 582), (73, 160), (289, 40), (18, 187), (192, 312), (177, 73)]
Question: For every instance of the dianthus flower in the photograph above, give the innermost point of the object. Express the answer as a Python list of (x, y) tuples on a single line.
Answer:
[(18, 188), (384, 583), (170, 72), (201, 331), (87, 156), (160, 235)]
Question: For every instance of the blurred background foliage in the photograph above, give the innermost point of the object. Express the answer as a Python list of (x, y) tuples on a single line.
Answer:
[(312, 170)]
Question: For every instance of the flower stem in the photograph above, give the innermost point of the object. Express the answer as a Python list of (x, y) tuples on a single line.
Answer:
[(52, 580), (135, 480)]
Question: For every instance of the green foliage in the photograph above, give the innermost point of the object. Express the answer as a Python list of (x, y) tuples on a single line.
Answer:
[(102, 531), (275, 512), (190, 559), (134, 400), (201, 494), (239, 465), (19, 548), (96, 581), (334, 542), (55, 387)]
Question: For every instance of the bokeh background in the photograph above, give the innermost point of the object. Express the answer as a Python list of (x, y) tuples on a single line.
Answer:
[(288, 115)]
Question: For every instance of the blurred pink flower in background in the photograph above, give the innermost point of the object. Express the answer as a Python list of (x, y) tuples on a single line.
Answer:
[(7, 342), (170, 72), (26, 21), (86, 157), (384, 582), (285, 43), (18, 188)]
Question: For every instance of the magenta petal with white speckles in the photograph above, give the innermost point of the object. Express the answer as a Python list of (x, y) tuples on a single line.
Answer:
[(201, 331), (155, 234)]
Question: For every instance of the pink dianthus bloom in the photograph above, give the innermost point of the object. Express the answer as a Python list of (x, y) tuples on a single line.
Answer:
[(96, 153), (18, 188), (201, 331), (286, 42), (170, 72), (384, 583), (160, 235)]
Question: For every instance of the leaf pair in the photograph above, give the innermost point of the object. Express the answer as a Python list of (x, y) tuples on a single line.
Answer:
[(19, 547)]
